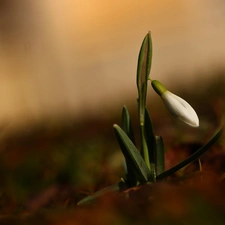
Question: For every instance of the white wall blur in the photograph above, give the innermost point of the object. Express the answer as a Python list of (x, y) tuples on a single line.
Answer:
[(77, 57)]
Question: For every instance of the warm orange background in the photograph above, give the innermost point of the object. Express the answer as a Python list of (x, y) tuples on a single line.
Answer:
[(77, 56)]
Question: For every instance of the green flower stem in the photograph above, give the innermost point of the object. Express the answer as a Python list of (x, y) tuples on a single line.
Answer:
[(144, 147)]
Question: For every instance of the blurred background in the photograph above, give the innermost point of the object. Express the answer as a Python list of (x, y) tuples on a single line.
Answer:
[(66, 69), (78, 58)]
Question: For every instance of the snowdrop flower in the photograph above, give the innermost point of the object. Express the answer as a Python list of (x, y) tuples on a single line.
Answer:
[(176, 105)]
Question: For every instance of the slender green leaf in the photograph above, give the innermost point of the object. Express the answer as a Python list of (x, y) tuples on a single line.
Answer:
[(131, 178), (149, 129), (126, 124), (193, 157), (159, 155), (143, 70), (131, 153), (150, 137), (107, 190)]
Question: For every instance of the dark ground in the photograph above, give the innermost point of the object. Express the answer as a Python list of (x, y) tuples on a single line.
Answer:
[(45, 170)]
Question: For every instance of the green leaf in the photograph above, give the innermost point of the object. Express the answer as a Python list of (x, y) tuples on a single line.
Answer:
[(159, 155), (132, 155), (150, 137), (193, 157), (131, 178), (143, 70), (126, 124), (149, 128), (110, 189)]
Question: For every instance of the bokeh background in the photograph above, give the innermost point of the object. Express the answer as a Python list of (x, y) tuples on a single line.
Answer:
[(78, 58), (66, 69)]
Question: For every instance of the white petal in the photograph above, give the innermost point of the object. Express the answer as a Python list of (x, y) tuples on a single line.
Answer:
[(180, 108)]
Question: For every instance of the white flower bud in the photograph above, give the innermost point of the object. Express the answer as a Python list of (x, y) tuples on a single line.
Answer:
[(176, 105)]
